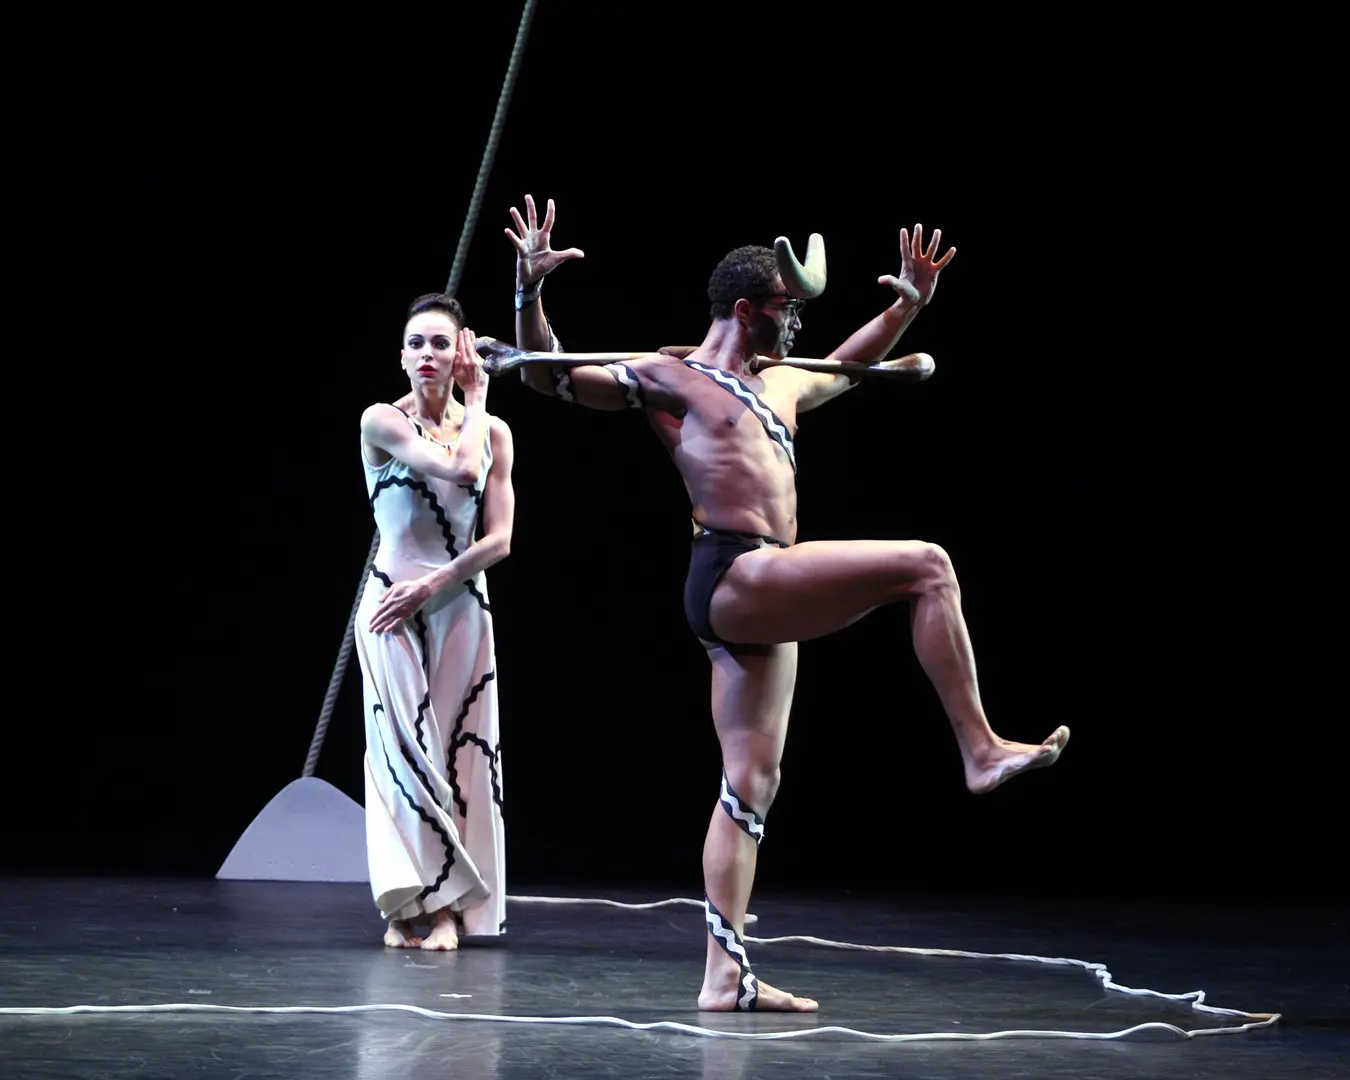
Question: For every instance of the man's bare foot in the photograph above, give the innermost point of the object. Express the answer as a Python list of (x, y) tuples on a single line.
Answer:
[(399, 935), (1004, 760), (443, 936), (722, 998)]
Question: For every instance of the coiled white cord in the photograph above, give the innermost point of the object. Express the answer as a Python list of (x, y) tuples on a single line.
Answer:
[(1195, 998)]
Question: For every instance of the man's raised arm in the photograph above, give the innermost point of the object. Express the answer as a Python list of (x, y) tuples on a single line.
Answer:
[(868, 345), (535, 260), (608, 387)]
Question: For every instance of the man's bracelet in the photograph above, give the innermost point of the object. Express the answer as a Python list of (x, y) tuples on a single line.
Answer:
[(528, 295)]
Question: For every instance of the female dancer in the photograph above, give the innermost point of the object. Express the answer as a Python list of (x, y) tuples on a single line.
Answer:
[(434, 473)]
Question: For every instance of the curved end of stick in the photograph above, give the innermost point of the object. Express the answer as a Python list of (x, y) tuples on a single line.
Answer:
[(918, 364), (497, 355), (805, 282)]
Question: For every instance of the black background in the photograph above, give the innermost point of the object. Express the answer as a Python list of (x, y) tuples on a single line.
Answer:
[(1127, 448)]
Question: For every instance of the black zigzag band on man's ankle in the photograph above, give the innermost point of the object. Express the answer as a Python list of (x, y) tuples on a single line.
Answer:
[(741, 814), (725, 935)]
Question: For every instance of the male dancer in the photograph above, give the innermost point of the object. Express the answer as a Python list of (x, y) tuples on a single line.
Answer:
[(752, 592)]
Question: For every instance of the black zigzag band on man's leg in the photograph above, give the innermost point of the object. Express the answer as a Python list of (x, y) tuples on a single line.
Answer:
[(724, 934), (741, 814)]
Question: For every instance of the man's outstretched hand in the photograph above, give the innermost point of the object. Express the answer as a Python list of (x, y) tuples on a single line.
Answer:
[(918, 272), (534, 257)]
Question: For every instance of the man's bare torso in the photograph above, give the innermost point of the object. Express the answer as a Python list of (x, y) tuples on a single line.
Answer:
[(737, 476)]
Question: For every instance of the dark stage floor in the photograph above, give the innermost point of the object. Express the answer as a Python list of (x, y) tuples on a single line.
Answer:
[(140, 942)]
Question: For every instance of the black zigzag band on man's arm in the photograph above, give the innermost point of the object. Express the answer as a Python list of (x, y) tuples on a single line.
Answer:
[(631, 385), (562, 384)]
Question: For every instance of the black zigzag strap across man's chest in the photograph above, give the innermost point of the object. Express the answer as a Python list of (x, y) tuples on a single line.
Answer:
[(776, 429)]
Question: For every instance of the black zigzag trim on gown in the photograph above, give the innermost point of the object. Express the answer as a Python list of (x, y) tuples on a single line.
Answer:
[(473, 534), (419, 621), (451, 767), (417, 769), (422, 707), (491, 756), (482, 600), (435, 825), (420, 626), (422, 777), (478, 502), (420, 486), (477, 492), (470, 585)]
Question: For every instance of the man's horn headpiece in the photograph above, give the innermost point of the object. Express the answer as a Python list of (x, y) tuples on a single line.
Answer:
[(804, 282)]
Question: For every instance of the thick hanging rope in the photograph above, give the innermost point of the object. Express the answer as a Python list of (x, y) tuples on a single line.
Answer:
[(456, 271)]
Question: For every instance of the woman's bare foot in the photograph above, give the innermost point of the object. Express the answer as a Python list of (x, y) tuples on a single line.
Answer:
[(399, 935), (443, 936), (1004, 760)]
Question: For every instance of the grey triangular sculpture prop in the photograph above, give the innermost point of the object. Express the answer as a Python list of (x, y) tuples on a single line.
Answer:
[(310, 831)]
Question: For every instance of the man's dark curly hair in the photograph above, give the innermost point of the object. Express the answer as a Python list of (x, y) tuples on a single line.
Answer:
[(434, 301), (748, 272)]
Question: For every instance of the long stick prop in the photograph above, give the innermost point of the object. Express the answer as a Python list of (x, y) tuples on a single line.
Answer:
[(502, 359)]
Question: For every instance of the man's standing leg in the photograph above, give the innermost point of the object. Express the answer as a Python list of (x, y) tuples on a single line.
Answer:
[(751, 698)]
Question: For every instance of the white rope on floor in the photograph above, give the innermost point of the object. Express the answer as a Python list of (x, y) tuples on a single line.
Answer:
[(1195, 998), (750, 918)]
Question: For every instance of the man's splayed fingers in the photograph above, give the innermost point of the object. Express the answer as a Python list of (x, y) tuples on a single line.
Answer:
[(900, 285)]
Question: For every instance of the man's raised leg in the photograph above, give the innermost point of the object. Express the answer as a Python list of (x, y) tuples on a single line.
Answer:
[(751, 699), (816, 588)]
